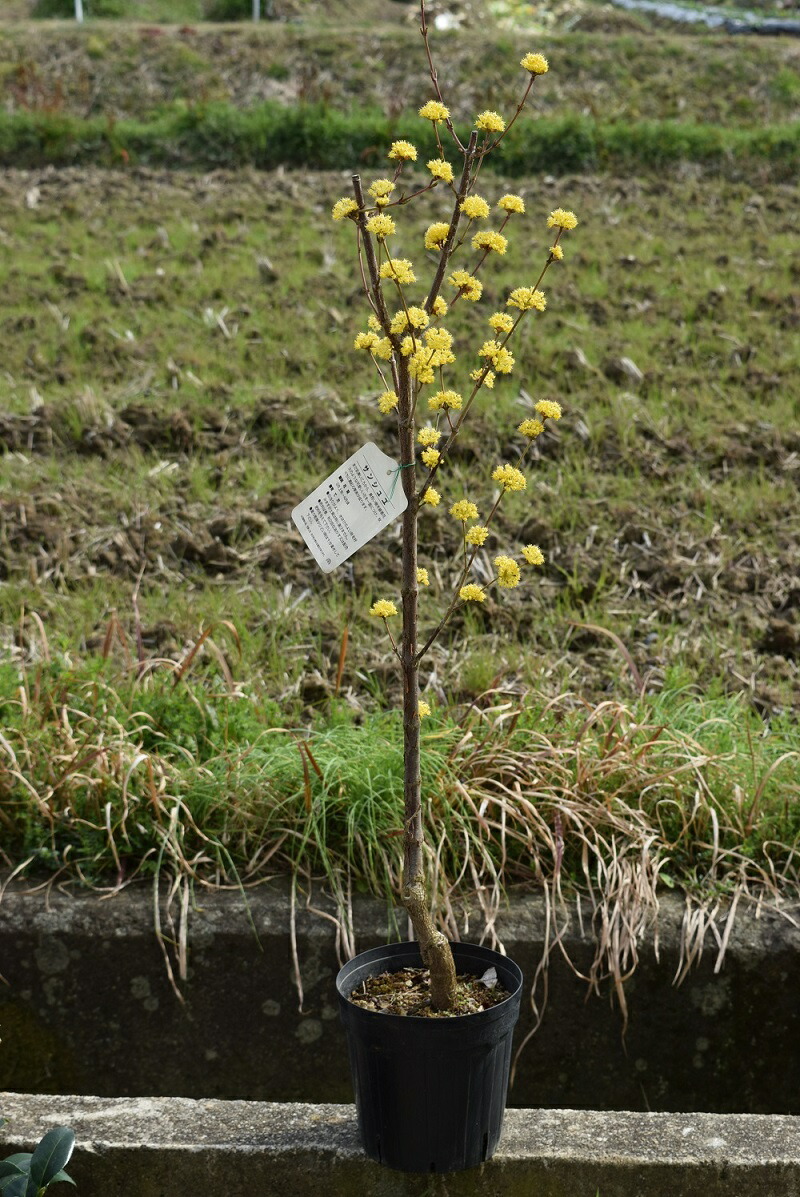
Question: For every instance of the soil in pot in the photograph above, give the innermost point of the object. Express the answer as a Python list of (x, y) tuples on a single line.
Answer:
[(407, 992)]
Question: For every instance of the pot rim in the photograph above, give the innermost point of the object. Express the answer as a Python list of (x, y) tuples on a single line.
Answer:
[(412, 948)]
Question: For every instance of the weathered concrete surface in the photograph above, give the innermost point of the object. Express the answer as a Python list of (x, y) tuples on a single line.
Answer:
[(88, 1008), (168, 1147)]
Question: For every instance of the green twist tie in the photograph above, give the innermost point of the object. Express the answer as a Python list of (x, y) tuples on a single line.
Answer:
[(396, 473)]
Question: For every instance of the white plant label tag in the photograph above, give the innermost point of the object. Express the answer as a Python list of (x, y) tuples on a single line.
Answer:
[(354, 504)]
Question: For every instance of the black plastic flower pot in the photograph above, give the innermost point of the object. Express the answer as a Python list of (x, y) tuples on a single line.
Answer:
[(430, 1092)]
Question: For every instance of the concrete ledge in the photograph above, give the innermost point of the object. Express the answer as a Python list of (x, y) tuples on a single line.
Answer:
[(168, 1147), (88, 1008)]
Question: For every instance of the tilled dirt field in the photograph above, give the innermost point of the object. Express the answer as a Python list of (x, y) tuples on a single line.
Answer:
[(178, 374)]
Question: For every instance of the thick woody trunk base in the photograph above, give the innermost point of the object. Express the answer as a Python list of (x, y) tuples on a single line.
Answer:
[(435, 949)]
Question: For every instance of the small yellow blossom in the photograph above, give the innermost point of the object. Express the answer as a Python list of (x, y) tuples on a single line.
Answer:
[(439, 307), (441, 169), (383, 349), (501, 322), (407, 345), (557, 252), (380, 191), (537, 64), (384, 608), (511, 203), (422, 577), (366, 340), (467, 285), (387, 402), (508, 572), (464, 510), (533, 554), (526, 298), (434, 111), (399, 269), (549, 409), (475, 207), (445, 400), (503, 361), (399, 323), (531, 429), (343, 207), (403, 151), (494, 242), (431, 457), (432, 497), (423, 708), (429, 436), (436, 235), (476, 534), (416, 317), (488, 349), (509, 477), (381, 226), (561, 219), (438, 338), (471, 593), (421, 366), (374, 323), (488, 378), (490, 122)]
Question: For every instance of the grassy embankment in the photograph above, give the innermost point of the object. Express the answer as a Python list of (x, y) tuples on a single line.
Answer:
[(169, 397)]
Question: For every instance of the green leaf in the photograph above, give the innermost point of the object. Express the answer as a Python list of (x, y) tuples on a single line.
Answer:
[(9, 1168), (14, 1186), (62, 1176), (21, 1160), (49, 1158)]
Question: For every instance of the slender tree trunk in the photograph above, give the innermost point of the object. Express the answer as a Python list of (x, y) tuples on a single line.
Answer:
[(79, 10), (434, 946), (256, 10)]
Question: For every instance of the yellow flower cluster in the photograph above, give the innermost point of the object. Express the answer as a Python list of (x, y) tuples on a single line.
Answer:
[(431, 457), (549, 409), (471, 593), (432, 497), (476, 534), (380, 191), (533, 554), (475, 207), (526, 298), (343, 207), (509, 477), (381, 227), (436, 235), (384, 608), (417, 318), (441, 170), (561, 219), (495, 242), (423, 708), (501, 359), (466, 284), (399, 269), (557, 252), (508, 572), (434, 111), (487, 379), (387, 402), (422, 577), (531, 429), (501, 322), (537, 64), (445, 400), (464, 510), (490, 122), (429, 436), (403, 151), (439, 307), (366, 340), (511, 203)]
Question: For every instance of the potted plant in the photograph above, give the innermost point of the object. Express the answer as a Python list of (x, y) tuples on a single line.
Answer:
[(431, 1079)]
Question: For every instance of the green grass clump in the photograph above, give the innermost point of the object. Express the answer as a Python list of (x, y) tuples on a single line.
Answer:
[(315, 137)]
